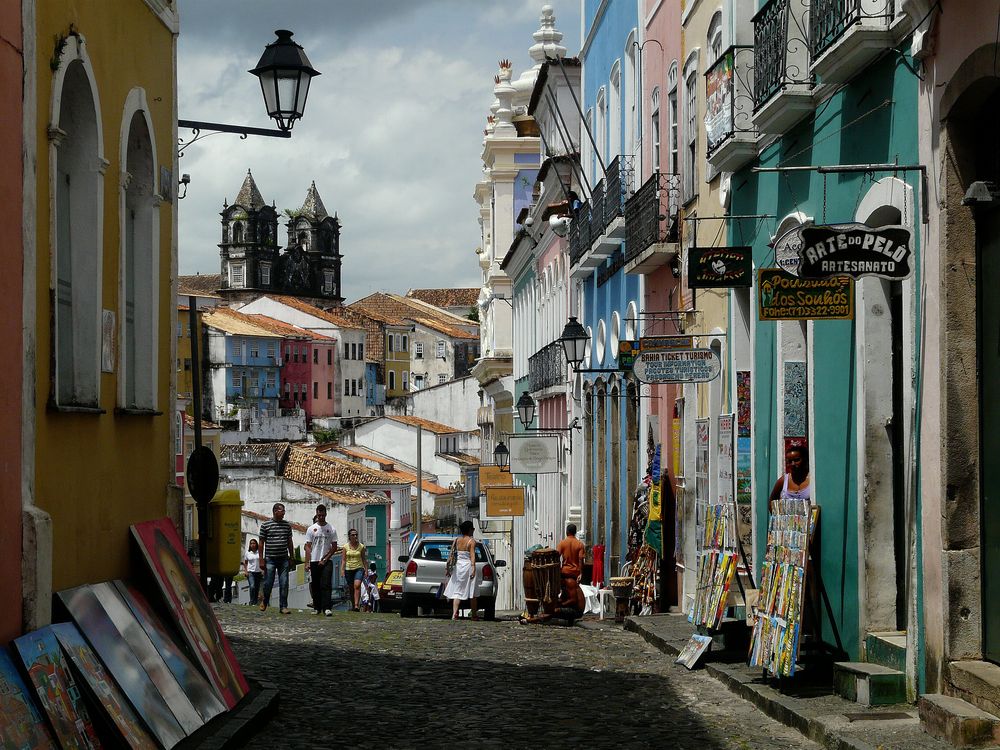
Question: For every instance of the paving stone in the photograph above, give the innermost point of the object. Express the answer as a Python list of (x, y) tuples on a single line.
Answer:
[(377, 680)]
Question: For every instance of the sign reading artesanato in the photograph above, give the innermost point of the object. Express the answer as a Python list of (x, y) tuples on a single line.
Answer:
[(855, 250)]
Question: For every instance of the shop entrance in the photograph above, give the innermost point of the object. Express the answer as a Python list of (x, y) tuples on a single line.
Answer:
[(988, 236)]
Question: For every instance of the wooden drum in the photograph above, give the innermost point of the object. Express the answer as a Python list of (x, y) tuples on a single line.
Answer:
[(547, 582)]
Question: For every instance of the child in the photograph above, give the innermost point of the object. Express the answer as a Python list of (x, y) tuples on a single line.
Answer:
[(369, 590)]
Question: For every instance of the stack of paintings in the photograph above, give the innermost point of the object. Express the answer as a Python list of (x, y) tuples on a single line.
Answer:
[(774, 642)]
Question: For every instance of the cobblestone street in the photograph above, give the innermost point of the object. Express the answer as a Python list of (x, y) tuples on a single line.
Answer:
[(376, 680)]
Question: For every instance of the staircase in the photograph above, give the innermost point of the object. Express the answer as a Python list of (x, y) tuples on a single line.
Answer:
[(966, 715), (880, 680)]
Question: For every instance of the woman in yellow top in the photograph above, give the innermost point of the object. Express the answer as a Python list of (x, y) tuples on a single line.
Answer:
[(355, 565)]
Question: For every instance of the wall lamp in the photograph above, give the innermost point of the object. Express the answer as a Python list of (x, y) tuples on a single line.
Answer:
[(501, 456), (574, 341), (526, 415), (285, 73)]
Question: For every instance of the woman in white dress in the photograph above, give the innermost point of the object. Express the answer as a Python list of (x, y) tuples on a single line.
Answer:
[(462, 583)]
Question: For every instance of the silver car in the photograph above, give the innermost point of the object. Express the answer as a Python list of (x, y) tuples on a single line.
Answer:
[(424, 570)]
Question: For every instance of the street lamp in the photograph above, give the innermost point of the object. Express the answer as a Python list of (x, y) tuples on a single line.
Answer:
[(526, 409), (501, 456), (574, 342), (284, 72)]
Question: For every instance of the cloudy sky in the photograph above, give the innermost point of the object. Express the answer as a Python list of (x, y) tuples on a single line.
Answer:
[(392, 133)]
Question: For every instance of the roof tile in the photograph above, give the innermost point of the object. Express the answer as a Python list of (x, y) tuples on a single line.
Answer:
[(317, 469)]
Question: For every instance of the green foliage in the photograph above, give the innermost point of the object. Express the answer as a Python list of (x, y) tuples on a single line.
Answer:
[(326, 436), (473, 313)]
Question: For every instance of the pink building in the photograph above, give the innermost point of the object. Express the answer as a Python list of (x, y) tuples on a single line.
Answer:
[(11, 197)]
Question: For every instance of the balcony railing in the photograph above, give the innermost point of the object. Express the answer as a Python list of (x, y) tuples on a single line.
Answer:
[(597, 204), (620, 181), (780, 41), (652, 214), (729, 97), (579, 234), (547, 367), (830, 19)]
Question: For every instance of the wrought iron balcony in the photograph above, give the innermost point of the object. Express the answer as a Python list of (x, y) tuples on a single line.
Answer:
[(579, 234), (652, 214), (780, 46), (729, 89), (547, 367), (620, 181), (829, 20), (597, 201)]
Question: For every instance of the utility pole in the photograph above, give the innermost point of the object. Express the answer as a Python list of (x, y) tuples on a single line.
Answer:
[(420, 478)]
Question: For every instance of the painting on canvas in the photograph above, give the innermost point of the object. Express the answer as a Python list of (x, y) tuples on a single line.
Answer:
[(21, 723)]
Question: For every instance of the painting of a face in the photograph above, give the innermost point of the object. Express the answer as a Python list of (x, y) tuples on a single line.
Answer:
[(163, 550)]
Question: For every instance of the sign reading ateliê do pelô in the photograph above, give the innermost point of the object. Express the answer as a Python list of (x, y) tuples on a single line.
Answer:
[(781, 296)]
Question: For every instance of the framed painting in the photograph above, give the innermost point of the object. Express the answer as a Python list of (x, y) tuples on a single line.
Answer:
[(122, 664), (57, 691), (22, 725), (105, 692), (204, 697), (163, 550)]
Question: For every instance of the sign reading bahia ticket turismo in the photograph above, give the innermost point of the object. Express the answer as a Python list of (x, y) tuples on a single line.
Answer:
[(677, 366), (855, 250)]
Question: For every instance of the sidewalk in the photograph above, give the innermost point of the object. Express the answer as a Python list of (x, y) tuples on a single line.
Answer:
[(821, 715)]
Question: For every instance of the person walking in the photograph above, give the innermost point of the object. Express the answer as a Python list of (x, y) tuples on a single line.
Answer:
[(355, 565), (571, 550), (462, 581), (251, 569), (321, 545), (277, 552)]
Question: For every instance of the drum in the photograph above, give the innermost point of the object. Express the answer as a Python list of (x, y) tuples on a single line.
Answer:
[(530, 595), (547, 582)]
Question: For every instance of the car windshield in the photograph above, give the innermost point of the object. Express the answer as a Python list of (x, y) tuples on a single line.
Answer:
[(439, 549)]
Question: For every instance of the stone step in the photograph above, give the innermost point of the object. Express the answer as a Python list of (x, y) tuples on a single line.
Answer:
[(977, 682), (887, 648), (958, 721), (869, 684)]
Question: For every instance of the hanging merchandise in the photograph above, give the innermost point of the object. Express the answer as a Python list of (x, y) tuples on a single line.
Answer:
[(644, 574), (774, 643)]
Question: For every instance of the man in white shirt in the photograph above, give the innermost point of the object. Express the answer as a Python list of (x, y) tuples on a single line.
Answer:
[(321, 545)]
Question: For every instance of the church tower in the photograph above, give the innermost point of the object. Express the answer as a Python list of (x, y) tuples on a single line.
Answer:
[(249, 247), (310, 265)]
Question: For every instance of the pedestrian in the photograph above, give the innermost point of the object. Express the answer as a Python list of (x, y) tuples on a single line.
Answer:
[(277, 553), (572, 551), (321, 545), (462, 580), (795, 482), (251, 568), (355, 565)]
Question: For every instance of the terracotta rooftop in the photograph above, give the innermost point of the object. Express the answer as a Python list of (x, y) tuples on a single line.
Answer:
[(261, 517), (287, 330), (200, 285), (344, 496), (236, 452), (205, 425), (318, 469), (356, 452), (403, 308), (458, 297), (231, 321), (427, 485), (461, 458), (436, 427), (338, 318), (374, 331)]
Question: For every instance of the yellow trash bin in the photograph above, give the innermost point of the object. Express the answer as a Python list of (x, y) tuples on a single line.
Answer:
[(224, 533)]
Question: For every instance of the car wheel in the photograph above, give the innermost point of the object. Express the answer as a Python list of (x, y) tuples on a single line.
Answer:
[(408, 608), (489, 609)]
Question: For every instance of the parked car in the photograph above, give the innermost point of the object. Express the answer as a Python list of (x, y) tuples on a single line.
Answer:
[(424, 570), (390, 591)]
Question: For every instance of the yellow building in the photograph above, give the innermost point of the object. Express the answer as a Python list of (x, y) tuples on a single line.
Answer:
[(99, 334), (184, 363)]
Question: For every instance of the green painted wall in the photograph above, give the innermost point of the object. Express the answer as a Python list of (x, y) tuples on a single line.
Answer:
[(378, 512), (871, 120)]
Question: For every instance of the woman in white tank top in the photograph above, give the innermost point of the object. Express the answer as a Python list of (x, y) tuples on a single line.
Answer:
[(795, 483)]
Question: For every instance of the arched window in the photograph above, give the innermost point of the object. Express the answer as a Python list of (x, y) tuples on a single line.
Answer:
[(585, 149), (614, 111), (631, 111), (714, 38), (601, 134), (139, 277), (77, 180), (673, 143), (238, 232), (654, 128), (690, 167)]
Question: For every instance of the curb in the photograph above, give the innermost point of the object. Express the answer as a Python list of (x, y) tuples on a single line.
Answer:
[(769, 701)]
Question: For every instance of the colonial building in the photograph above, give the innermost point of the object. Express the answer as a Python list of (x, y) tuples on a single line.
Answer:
[(254, 263)]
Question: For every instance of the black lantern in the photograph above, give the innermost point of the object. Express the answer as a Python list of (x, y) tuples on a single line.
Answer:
[(284, 72), (501, 456), (526, 409), (574, 342)]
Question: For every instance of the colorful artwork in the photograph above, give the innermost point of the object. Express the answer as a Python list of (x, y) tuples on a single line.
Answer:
[(719, 102), (743, 403), (21, 723), (133, 634), (122, 664), (57, 690), (90, 672), (164, 552), (195, 686), (796, 399), (726, 459), (693, 650)]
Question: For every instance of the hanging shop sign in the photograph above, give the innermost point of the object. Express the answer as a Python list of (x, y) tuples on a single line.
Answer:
[(855, 250), (680, 366), (627, 352), (494, 476), (720, 267), (786, 251), (784, 297), (665, 343), (534, 454), (503, 502), (719, 102)]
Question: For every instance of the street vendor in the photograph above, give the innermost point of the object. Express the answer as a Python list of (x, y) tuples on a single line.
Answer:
[(794, 483)]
